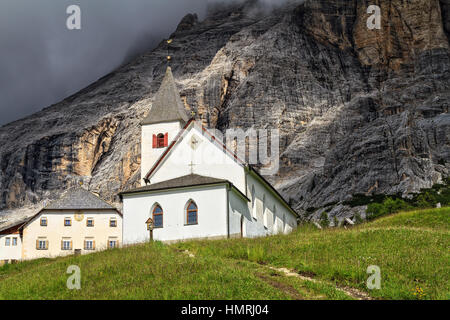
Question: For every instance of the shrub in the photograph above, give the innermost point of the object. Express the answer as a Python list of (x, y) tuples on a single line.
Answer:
[(336, 221), (388, 206), (426, 200), (358, 218), (324, 221)]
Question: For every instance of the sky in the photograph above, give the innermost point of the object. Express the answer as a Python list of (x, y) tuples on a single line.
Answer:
[(43, 62)]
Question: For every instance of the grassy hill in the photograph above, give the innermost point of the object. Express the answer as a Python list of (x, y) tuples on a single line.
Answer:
[(411, 249)]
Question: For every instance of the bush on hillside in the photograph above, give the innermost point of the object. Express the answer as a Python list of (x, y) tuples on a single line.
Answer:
[(388, 206), (324, 221)]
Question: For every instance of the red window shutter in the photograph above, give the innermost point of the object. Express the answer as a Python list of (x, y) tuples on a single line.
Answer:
[(166, 140), (155, 144)]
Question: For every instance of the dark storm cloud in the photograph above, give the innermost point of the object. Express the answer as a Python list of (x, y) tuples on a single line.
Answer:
[(42, 62)]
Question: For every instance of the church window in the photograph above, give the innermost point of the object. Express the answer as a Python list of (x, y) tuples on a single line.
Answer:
[(160, 140), (265, 212), (253, 202), (191, 213), (157, 217)]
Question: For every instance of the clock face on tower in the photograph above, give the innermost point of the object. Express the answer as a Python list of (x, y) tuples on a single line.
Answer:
[(79, 216)]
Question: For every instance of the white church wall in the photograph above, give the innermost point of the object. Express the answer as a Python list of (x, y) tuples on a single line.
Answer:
[(211, 202), (238, 208), (10, 249), (270, 215), (78, 232), (149, 154), (207, 160)]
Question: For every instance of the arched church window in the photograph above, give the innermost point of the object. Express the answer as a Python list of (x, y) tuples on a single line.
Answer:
[(157, 217), (191, 213)]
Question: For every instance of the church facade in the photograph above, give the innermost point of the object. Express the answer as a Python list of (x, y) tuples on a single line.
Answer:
[(193, 186)]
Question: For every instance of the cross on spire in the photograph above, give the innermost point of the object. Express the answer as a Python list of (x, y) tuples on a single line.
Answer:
[(169, 57)]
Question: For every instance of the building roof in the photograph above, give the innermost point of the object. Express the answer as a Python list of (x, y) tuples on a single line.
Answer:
[(167, 105), (191, 180), (79, 199), (12, 227)]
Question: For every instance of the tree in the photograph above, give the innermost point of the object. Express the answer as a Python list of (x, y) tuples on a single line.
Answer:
[(324, 221)]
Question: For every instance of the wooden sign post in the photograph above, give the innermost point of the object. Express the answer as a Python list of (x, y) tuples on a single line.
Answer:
[(150, 227)]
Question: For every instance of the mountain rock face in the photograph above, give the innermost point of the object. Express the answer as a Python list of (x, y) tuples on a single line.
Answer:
[(359, 110)]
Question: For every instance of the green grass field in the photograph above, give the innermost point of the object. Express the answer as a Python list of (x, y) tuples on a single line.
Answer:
[(411, 249)]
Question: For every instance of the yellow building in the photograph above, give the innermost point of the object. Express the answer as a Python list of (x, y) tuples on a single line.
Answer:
[(78, 223)]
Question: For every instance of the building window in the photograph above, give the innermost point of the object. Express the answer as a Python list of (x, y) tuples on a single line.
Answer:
[(42, 244), (191, 213), (67, 222), (113, 223), (14, 241), (66, 245), (157, 217), (7, 242), (160, 141), (90, 222), (43, 222), (89, 245), (113, 244)]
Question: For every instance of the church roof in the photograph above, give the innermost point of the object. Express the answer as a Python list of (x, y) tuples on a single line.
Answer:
[(191, 180), (79, 199), (167, 105)]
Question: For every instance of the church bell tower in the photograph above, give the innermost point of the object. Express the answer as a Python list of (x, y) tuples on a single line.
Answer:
[(166, 118)]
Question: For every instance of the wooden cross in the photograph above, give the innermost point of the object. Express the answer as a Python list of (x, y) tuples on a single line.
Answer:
[(192, 167)]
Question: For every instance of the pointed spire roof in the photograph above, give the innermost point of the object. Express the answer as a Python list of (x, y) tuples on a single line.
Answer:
[(167, 105)]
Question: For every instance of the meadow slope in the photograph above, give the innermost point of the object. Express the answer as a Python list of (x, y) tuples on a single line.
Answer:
[(411, 249)]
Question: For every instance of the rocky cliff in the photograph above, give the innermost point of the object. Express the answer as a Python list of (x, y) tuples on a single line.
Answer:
[(359, 111)]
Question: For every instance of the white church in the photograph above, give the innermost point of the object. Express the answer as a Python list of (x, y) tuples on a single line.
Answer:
[(193, 186)]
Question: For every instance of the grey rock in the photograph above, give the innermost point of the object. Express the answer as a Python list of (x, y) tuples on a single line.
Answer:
[(359, 111)]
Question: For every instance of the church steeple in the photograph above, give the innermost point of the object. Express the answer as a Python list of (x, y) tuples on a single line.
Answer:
[(166, 118), (167, 105)]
